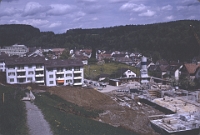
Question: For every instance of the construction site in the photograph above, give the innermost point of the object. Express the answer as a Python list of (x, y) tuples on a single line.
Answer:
[(143, 105)]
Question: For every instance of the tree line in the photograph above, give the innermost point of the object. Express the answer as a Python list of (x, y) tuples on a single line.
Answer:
[(171, 40)]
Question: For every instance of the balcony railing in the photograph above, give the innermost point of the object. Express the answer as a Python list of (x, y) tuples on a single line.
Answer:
[(77, 77), (78, 83), (39, 68), (21, 70), (39, 75), (60, 78), (77, 71), (21, 76), (39, 81)]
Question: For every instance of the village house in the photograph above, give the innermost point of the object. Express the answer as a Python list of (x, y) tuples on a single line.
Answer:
[(174, 69), (116, 57), (127, 73), (190, 70)]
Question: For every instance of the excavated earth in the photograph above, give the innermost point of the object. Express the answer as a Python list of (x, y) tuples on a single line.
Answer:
[(133, 117)]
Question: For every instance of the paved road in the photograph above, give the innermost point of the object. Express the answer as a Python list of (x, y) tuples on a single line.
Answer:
[(35, 120)]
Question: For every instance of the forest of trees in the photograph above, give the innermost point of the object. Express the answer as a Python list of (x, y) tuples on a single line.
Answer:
[(171, 40)]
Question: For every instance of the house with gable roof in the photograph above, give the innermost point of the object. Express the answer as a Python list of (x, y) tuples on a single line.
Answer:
[(127, 73), (191, 70)]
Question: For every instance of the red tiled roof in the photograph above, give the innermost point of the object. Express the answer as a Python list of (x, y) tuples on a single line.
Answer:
[(191, 67)]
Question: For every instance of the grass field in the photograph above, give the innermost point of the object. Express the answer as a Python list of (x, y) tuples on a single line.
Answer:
[(92, 71), (68, 118), (12, 112)]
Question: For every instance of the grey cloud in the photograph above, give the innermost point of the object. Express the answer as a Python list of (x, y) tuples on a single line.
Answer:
[(117, 1), (61, 9), (148, 13), (133, 7), (8, 0), (168, 7), (10, 12), (33, 8), (194, 4)]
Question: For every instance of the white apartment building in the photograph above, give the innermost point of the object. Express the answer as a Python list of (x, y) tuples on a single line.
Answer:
[(19, 50), (25, 70), (2, 65), (50, 73), (64, 72)]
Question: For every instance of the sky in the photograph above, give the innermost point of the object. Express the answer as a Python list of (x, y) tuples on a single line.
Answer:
[(61, 15)]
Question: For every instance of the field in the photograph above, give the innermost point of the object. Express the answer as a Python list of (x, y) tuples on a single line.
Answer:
[(12, 112), (68, 118), (92, 71)]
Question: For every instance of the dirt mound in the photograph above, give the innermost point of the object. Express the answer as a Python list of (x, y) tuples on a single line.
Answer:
[(83, 96), (133, 118)]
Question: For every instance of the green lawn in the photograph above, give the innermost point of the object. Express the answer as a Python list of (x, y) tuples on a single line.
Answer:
[(12, 112), (92, 71), (66, 118)]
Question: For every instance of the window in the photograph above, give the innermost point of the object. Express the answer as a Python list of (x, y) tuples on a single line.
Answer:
[(30, 79), (50, 82), (12, 80), (68, 81), (20, 68), (30, 72), (59, 70), (11, 67), (69, 68), (77, 69), (11, 73), (50, 69), (68, 75), (39, 66), (50, 76)]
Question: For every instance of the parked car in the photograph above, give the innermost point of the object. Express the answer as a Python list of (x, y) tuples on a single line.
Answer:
[(103, 84)]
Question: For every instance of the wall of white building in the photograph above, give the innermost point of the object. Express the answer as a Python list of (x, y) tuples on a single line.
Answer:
[(22, 74)]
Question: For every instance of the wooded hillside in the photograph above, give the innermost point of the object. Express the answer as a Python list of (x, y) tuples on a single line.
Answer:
[(171, 40)]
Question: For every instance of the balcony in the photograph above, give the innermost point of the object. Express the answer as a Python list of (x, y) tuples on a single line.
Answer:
[(39, 68), (77, 71), (60, 72), (77, 77), (60, 78), (21, 70), (39, 75), (21, 76), (78, 83), (39, 81), (60, 81)]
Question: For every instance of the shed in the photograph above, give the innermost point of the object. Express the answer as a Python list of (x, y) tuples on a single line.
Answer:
[(114, 82)]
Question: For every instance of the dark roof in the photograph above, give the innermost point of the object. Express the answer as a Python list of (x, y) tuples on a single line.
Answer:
[(162, 62), (4, 56), (63, 63), (81, 57), (163, 68), (25, 60)]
